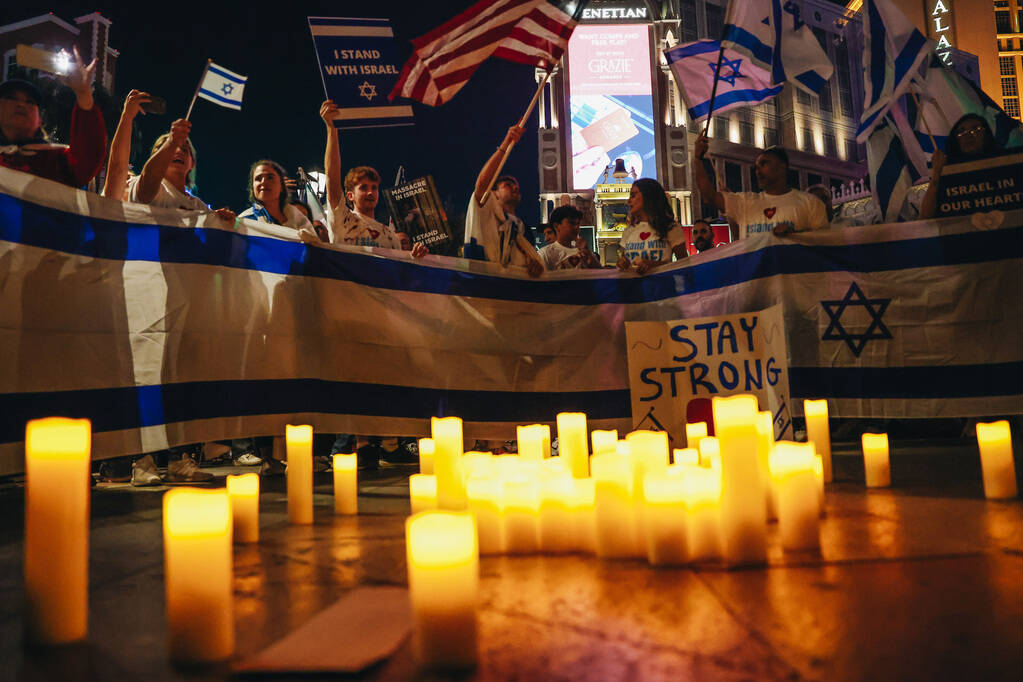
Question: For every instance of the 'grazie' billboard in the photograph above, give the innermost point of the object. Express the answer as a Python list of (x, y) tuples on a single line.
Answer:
[(611, 101)]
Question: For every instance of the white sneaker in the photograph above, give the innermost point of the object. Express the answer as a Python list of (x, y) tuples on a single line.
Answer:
[(248, 459), (143, 472), (185, 470)]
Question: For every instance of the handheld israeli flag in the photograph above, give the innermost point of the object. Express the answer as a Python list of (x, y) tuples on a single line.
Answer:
[(893, 170), (772, 36), (945, 97), (222, 87), (893, 52), (741, 82)]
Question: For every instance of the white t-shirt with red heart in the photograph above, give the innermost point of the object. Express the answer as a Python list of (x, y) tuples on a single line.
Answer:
[(757, 212), (350, 227), (640, 241)]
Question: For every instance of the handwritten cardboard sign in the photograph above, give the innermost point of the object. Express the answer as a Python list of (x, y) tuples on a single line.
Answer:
[(676, 368), (982, 185)]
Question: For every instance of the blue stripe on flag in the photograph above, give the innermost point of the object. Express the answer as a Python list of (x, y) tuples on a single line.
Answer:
[(34, 225), (220, 98), (725, 98), (227, 76), (877, 53), (682, 51), (909, 54), (115, 409), (750, 42), (812, 80)]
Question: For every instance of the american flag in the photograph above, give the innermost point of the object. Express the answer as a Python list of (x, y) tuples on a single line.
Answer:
[(524, 31)]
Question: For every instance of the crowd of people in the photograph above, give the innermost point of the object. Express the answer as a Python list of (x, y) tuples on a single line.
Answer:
[(493, 231)]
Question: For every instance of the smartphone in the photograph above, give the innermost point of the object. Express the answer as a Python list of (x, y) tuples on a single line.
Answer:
[(155, 105), (44, 60)]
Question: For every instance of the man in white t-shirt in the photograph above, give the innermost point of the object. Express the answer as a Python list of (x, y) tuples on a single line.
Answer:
[(776, 208), (362, 188), (492, 230), (567, 252)]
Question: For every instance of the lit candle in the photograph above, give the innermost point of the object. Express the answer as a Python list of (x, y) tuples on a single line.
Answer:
[(346, 484), (557, 522), (875, 460), (300, 473), (198, 574), (484, 496), (792, 468), (243, 491), (443, 581), (701, 490), (426, 456), (996, 461), (710, 452), (743, 500), (57, 458), (664, 517), (583, 510), (695, 432), (818, 471), (614, 509), (686, 456), (534, 441), (447, 462), (422, 492), (477, 464), (818, 432), (765, 441), (604, 441), (520, 509), (648, 451), (572, 442)]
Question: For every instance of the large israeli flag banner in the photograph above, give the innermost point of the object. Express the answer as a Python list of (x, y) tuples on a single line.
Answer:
[(166, 327), (741, 81), (222, 87), (359, 66)]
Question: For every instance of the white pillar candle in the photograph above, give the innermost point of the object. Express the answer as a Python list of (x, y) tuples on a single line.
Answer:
[(818, 471), (299, 473), (818, 432), (422, 492), (648, 451), (710, 453), (198, 574), (557, 521), (447, 462), (443, 580), (604, 441), (243, 491), (476, 463), (583, 510), (743, 505), (875, 460), (572, 442), (426, 456), (485, 503), (765, 441), (701, 490), (614, 508), (664, 518), (792, 469), (686, 456), (534, 441), (57, 458), (996, 461), (520, 509), (695, 432), (346, 484)]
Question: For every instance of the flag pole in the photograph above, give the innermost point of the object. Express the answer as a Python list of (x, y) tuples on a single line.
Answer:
[(195, 95), (714, 88), (521, 124)]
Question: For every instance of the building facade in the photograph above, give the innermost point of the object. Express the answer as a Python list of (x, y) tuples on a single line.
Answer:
[(89, 33), (1009, 36), (614, 98)]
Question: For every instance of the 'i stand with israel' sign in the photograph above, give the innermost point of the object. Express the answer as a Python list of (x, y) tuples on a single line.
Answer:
[(359, 67)]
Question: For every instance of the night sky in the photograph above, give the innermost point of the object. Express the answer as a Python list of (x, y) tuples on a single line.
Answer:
[(163, 52)]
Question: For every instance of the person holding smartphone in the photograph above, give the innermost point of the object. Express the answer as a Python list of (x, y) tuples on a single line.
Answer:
[(23, 143)]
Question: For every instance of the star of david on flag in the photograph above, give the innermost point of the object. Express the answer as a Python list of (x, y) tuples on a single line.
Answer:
[(740, 81), (222, 87)]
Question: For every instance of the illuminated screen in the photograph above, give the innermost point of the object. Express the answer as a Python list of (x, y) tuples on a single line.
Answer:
[(611, 102)]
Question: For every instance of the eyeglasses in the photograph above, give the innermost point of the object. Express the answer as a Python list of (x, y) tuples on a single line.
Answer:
[(976, 130)]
